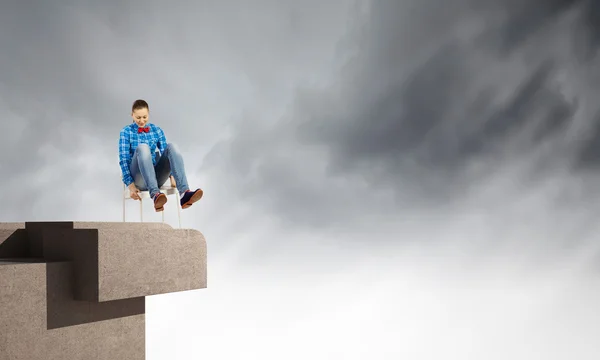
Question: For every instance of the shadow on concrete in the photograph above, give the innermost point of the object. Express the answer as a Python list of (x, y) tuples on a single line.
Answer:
[(63, 310), (15, 244), (26, 246)]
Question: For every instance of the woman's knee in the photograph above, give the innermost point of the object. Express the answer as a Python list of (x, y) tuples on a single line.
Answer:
[(172, 147), (143, 149)]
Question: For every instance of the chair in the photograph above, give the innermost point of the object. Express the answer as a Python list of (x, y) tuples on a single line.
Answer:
[(167, 190)]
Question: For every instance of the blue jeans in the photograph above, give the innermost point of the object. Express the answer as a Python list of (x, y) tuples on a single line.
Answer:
[(146, 176)]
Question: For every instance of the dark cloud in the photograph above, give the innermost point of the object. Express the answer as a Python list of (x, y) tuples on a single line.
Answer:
[(410, 110), (523, 19), (414, 116), (591, 25)]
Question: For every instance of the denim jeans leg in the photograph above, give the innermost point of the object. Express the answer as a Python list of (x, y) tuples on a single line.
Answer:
[(142, 170), (172, 162)]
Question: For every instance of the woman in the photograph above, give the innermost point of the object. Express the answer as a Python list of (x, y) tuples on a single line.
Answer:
[(144, 169)]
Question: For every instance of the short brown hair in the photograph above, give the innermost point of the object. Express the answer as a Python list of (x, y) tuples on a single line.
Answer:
[(139, 104)]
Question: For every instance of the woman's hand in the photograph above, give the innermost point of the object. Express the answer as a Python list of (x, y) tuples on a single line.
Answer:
[(173, 184), (134, 192)]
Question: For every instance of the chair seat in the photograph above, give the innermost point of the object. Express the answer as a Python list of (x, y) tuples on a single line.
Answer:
[(167, 190)]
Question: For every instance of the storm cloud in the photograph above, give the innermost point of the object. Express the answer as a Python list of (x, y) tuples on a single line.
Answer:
[(429, 101)]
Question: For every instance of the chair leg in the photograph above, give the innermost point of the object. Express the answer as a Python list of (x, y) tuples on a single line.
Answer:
[(163, 216), (124, 202), (178, 211), (141, 212)]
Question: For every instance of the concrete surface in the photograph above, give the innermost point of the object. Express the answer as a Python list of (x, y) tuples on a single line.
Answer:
[(77, 290)]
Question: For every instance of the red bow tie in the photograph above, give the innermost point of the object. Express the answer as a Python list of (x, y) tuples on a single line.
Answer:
[(143, 129)]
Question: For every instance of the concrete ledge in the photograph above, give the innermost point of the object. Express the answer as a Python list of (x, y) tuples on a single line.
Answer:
[(149, 262), (121, 264), (76, 290)]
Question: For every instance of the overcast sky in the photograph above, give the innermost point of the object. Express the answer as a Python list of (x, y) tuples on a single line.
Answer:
[(389, 179)]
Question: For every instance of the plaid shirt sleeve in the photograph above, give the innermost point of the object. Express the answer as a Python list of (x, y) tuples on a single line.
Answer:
[(125, 156), (162, 142)]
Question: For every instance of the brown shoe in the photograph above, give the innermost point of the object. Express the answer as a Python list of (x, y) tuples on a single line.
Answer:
[(160, 200), (190, 197)]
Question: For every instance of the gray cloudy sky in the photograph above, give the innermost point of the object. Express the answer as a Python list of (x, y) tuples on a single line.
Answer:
[(380, 176)]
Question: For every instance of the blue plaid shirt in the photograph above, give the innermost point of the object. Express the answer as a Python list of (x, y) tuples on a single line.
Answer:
[(129, 139)]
